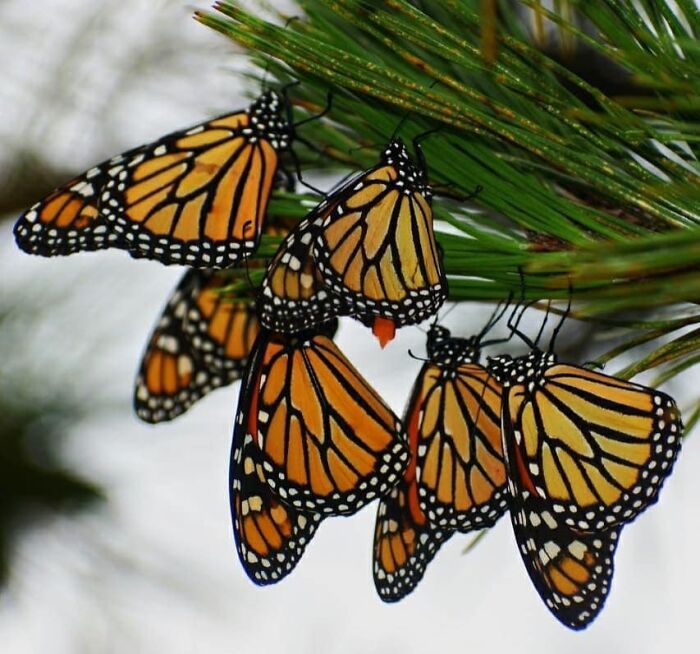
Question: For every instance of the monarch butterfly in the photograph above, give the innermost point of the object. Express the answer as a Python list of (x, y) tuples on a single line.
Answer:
[(456, 479), (586, 453), (328, 443), (375, 248), (201, 342), (195, 197)]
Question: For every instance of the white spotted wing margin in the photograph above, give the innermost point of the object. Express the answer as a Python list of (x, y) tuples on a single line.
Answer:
[(292, 297), (402, 548), (270, 536)]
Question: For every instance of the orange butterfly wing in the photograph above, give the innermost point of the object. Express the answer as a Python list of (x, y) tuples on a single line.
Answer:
[(329, 442), (404, 544), (292, 297), (404, 541), (196, 197), (376, 249), (571, 570), (270, 536), (461, 471), (201, 342), (67, 220), (598, 448)]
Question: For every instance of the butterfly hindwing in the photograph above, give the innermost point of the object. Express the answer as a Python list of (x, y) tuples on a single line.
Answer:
[(68, 220), (222, 327), (572, 571), (292, 297), (404, 543), (270, 535)]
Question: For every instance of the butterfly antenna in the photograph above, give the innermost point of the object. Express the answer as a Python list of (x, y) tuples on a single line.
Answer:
[(514, 322), (417, 140), (563, 318), (406, 115)]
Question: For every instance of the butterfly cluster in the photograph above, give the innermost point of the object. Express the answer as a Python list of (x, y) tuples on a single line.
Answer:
[(572, 454)]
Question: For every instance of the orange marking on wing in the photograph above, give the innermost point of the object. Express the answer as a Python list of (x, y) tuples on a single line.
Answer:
[(153, 371), (187, 228), (69, 212), (253, 537), (54, 206)]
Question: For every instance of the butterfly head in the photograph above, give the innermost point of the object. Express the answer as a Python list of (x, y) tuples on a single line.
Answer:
[(447, 350), (410, 175), (268, 117), (527, 369)]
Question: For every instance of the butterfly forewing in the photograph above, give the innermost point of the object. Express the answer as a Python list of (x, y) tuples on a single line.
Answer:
[(199, 196), (195, 197), (376, 248), (597, 447), (329, 442), (461, 473)]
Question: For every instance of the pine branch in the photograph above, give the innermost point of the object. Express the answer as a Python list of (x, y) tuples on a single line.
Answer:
[(585, 191)]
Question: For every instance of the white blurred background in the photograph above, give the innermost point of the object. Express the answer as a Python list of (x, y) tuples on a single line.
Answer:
[(153, 568)]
